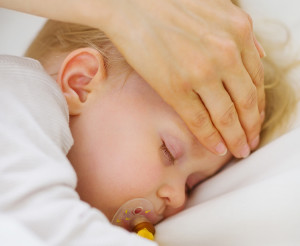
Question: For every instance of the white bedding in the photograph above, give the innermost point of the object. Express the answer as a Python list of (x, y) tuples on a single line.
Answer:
[(253, 202)]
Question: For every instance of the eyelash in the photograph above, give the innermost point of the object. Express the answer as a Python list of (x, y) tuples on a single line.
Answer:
[(171, 159), (167, 153)]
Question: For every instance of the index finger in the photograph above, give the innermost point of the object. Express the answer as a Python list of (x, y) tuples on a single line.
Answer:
[(194, 113), (253, 65)]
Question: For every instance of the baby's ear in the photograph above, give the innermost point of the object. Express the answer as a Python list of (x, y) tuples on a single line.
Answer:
[(81, 72)]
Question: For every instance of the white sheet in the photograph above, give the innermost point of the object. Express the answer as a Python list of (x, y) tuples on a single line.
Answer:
[(12, 233)]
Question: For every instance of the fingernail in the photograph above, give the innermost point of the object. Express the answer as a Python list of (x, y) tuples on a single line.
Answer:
[(221, 149), (254, 142), (245, 151), (262, 116), (263, 53)]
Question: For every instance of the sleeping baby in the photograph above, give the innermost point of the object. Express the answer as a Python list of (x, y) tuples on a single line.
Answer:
[(132, 155)]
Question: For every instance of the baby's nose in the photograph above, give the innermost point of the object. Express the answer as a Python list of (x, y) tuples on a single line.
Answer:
[(173, 195)]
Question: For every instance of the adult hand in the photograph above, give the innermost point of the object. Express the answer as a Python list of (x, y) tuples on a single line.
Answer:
[(203, 59), (200, 56)]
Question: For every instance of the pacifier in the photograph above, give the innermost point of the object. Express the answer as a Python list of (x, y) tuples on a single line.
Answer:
[(137, 215)]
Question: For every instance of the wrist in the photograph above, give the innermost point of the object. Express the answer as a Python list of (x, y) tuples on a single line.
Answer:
[(96, 13)]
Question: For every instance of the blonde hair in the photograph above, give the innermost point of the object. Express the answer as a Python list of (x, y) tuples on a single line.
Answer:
[(60, 37), (65, 37), (281, 101)]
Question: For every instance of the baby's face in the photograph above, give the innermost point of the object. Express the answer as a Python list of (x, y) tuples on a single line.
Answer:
[(130, 144)]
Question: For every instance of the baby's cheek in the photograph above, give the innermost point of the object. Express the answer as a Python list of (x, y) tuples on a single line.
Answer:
[(141, 180)]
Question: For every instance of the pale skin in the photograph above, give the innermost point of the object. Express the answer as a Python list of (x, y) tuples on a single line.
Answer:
[(200, 56), (128, 142)]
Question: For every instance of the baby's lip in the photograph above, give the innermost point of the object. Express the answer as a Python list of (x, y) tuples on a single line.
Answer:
[(157, 217)]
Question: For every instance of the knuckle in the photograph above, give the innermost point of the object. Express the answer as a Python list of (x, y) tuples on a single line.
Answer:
[(227, 51), (208, 73), (180, 84), (227, 119), (229, 46), (252, 127), (259, 75), (201, 120), (201, 69), (250, 100), (185, 86), (211, 136), (230, 53), (203, 74), (222, 43), (239, 141), (243, 24)]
